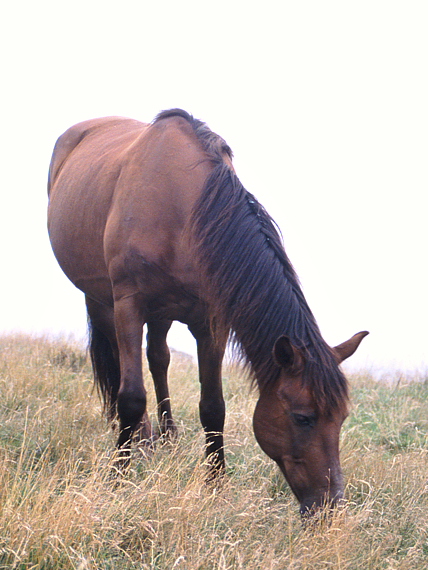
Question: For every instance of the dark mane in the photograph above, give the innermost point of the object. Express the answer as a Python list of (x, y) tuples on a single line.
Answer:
[(252, 287)]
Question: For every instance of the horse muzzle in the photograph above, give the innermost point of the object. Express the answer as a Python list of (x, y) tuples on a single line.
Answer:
[(322, 503)]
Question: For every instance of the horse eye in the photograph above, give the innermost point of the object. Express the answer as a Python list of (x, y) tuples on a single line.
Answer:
[(304, 421)]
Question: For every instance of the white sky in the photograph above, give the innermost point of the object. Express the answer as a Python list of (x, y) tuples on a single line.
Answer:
[(325, 107)]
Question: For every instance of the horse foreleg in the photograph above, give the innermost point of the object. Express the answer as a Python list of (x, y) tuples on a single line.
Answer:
[(158, 357), (211, 404)]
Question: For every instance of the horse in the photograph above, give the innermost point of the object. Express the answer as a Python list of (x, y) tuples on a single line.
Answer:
[(152, 223)]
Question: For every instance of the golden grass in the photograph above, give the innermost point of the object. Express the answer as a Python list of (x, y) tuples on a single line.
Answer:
[(59, 507)]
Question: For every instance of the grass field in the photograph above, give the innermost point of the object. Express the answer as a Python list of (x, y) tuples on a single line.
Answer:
[(60, 509)]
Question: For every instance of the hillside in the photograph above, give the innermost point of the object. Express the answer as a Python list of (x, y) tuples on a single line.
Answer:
[(61, 508)]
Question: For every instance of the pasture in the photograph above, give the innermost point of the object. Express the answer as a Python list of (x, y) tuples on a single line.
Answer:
[(61, 509)]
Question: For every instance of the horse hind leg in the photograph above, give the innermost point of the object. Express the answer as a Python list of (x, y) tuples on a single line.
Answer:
[(158, 357)]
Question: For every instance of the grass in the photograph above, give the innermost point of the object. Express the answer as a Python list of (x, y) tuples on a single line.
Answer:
[(60, 509)]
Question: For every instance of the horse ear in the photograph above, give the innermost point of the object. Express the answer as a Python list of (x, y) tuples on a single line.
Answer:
[(347, 348), (286, 355)]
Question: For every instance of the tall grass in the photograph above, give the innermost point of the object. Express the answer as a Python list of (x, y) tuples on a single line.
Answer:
[(60, 508)]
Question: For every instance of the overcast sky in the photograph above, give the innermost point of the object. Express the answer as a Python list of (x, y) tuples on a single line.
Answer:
[(323, 103)]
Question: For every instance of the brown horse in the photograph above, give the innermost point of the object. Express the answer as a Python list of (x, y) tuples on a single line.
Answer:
[(152, 224)]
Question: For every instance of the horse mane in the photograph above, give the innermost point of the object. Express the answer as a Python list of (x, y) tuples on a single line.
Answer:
[(252, 287)]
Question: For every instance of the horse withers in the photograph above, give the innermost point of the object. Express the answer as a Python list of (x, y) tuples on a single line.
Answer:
[(151, 222)]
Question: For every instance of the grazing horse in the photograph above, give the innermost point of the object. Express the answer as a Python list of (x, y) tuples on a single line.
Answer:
[(151, 222)]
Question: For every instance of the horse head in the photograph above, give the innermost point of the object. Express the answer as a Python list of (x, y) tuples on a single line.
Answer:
[(299, 434)]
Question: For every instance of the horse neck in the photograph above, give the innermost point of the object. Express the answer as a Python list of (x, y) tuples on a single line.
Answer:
[(251, 284)]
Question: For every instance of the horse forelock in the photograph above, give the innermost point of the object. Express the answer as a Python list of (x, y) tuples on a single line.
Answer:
[(253, 290), (324, 378)]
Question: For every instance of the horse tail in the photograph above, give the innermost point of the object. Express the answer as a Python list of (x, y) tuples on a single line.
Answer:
[(105, 368)]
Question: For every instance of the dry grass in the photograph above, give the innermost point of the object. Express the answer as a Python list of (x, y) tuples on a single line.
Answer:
[(59, 507)]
